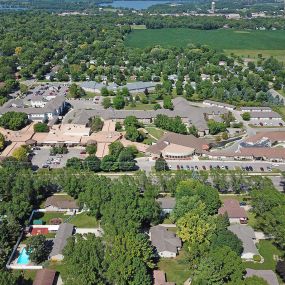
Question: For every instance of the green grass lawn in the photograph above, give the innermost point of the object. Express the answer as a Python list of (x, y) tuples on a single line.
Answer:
[(220, 39), (155, 132), (240, 198), (176, 269), (47, 216), (247, 53), (268, 250), (84, 221)]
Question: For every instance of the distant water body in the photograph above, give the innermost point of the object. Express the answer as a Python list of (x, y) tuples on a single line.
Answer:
[(138, 5)]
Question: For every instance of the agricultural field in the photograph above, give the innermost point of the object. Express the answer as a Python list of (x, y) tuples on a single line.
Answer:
[(246, 42)]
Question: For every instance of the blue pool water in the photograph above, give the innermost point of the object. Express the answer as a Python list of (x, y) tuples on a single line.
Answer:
[(23, 258)]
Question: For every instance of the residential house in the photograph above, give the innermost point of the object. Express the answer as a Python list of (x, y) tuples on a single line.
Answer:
[(235, 212), (45, 277), (247, 236), (160, 279), (59, 203), (65, 231), (167, 204), (167, 244)]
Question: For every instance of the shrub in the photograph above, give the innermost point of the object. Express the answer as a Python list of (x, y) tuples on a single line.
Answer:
[(257, 258)]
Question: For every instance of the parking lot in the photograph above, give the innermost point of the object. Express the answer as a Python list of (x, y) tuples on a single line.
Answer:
[(42, 157)]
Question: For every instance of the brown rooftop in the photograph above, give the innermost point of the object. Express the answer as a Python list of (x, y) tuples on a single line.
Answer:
[(45, 277), (159, 278), (278, 136), (61, 202), (233, 209), (189, 141)]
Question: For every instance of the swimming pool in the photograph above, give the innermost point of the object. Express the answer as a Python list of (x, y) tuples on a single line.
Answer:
[(23, 258)]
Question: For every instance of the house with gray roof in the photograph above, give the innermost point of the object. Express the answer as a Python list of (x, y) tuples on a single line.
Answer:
[(247, 236), (64, 232), (167, 244), (167, 204)]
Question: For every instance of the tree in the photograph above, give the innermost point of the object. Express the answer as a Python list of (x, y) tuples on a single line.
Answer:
[(216, 127), (106, 103), (126, 160), (41, 128), (75, 91), (7, 278), (115, 148), (193, 131), (2, 141), (109, 163), (245, 116), (74, 163), (196, 229), (119, 102), (37, 248), (227, 238), (96, 124), (92, 163), (14, 120), (84, 259), (20, 153), (179, 88), (96, 194), (221, 266), (161, 164), (207, 194), (104, 91), (24, 88), (118, 126), (133, 134), (273, 223), (91, 149), (131, 121), (167, 103), (129, 259)]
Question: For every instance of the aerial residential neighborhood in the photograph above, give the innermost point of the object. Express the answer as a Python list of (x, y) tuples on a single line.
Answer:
[(142, 142)]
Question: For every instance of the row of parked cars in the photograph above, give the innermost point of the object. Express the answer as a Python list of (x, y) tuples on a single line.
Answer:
[(224, 167)]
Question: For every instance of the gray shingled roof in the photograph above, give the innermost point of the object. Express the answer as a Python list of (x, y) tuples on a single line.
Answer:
[(246, 235), (164, 240), (166, 202), (64, 232)]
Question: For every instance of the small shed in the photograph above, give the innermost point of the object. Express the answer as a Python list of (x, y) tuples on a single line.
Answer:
[(39, 231)]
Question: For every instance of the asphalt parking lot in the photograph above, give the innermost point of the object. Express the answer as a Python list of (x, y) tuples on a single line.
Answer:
[(41, 157)]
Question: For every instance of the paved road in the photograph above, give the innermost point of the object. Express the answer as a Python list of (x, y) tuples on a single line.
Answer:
[(279, 183)]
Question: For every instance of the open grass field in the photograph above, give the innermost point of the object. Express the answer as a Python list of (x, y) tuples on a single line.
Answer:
[(155, 132), (84, 221), (245, 43)]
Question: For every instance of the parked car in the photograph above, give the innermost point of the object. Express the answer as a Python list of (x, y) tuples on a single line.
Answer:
[(242, 203), (188, 167), (178, 167), (261, 168), (204, 167), (83, 152), (226, 167)]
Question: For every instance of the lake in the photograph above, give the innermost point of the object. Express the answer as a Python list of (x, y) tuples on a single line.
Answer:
[(138, 5)]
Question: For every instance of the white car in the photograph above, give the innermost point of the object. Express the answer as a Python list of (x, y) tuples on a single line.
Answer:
[(275, 164)]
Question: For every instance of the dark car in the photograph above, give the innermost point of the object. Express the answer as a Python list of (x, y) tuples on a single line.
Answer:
[(261, 168), (226, 167), (204, 167), (178, 167), (188, 167), (242, 203)]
